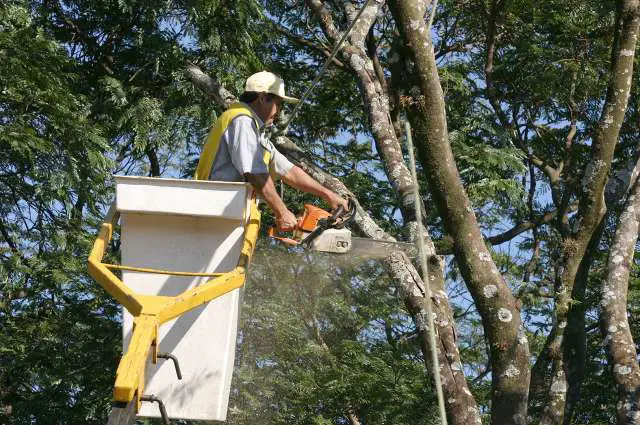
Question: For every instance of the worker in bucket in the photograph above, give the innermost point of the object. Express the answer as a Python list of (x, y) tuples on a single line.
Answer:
[(237, 149)]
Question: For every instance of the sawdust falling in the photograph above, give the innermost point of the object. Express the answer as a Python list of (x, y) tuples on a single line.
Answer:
[(289, 292)]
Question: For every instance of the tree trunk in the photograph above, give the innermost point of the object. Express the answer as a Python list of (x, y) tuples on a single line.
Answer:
[(618, 340), (591, 210), (494, 300), (460, 404)]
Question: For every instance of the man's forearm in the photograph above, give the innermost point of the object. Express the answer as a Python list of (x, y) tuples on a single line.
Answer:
[(263, 183), (300, 180)]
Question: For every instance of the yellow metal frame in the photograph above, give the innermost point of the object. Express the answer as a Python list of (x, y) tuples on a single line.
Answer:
[(150, 311)]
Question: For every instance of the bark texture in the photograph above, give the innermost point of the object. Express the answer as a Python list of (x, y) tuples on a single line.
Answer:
[(375, 98), (460, 404), (566, 349), (222, 96), (495, 302), (618, 340)]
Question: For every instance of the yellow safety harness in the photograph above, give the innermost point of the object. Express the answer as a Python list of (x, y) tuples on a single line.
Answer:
[(208, 155)]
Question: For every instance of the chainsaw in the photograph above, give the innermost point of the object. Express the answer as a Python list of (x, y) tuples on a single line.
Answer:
[(319, 230)]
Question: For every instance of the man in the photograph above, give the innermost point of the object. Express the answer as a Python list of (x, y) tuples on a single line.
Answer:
[(237, 150)]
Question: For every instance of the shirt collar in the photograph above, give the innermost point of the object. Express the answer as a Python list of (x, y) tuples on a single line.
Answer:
[(257, 118)]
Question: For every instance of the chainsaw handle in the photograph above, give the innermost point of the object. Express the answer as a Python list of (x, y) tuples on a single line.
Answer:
[(340, 216), (337, 213)]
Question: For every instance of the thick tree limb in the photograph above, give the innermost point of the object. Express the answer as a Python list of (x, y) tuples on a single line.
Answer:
[(326, 20), (366, 21), (376, 103), (618, 340), (209, 85), (493, 298)]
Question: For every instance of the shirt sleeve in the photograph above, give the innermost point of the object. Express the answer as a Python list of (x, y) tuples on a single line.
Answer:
[(247, 154), (280, 164)]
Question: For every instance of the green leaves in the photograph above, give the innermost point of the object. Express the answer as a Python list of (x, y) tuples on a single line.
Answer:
[(490, 173), (52, 158)]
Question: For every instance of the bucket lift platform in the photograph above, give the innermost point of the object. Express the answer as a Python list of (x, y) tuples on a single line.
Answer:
[(185, 246)]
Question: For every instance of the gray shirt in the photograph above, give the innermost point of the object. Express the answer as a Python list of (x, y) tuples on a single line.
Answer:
[(241, 151)]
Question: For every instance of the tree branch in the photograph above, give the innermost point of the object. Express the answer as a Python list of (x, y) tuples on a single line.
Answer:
[(445, 245), (323, 50), (209, 85)]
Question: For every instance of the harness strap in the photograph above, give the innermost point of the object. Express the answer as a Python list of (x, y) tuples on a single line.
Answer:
[(210, 150)]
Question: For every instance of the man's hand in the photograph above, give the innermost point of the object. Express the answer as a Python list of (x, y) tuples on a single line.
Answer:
[(285, 220), (336, 201), (263, 183)]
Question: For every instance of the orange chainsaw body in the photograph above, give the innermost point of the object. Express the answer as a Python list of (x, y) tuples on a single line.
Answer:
[(309, 220), (307, 223)]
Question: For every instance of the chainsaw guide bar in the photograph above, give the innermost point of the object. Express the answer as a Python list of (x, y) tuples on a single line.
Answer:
[(381, 248)]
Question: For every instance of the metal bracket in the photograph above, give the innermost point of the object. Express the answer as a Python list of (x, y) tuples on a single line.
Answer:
[(175, 362), (163, 411)]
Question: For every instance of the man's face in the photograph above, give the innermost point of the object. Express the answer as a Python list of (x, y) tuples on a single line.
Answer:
[(267, 107)]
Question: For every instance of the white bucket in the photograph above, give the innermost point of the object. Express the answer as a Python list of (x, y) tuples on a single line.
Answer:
[(194, 226)]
